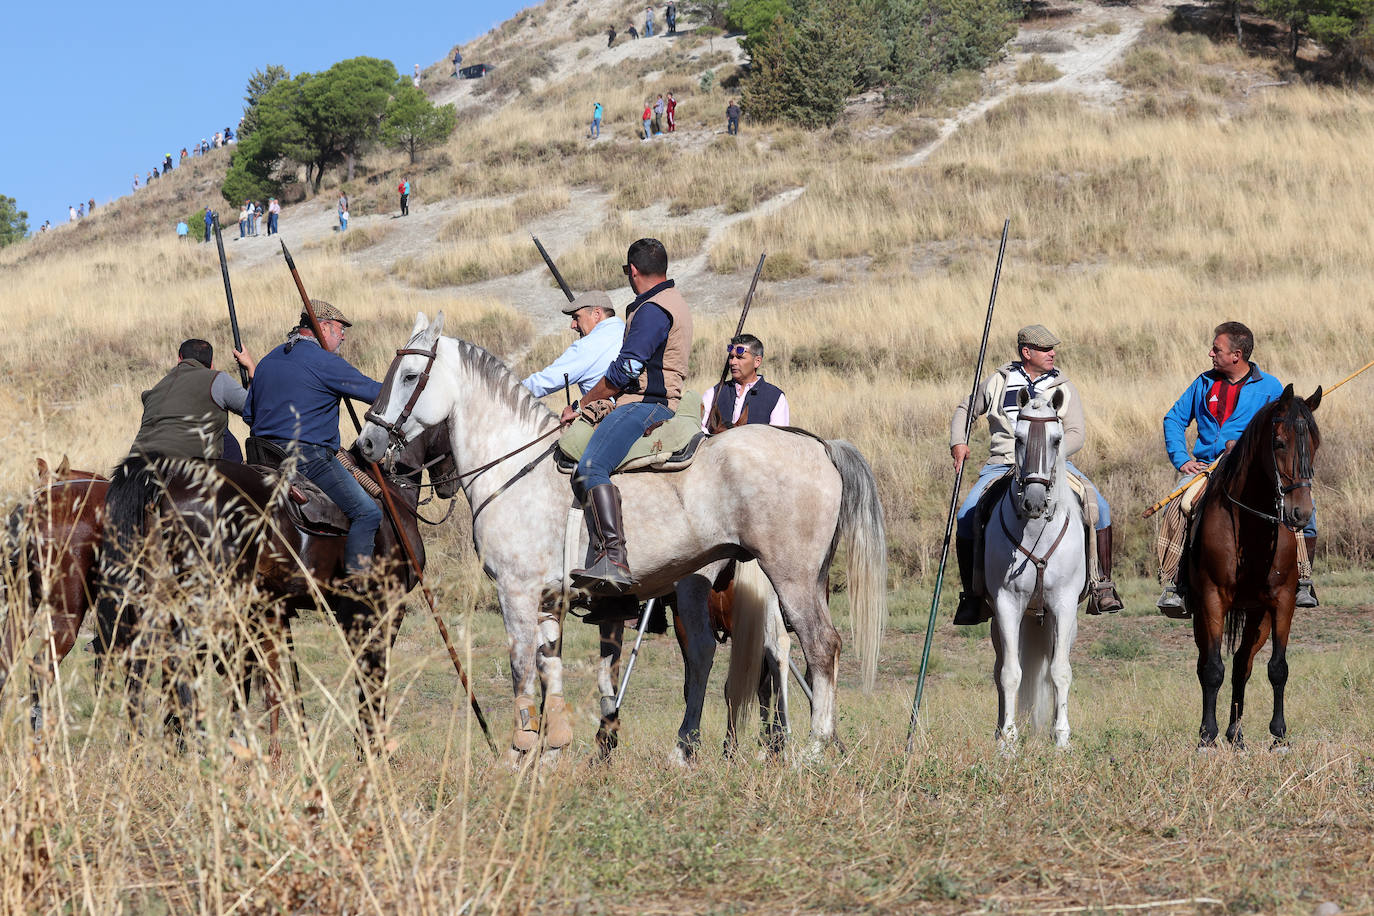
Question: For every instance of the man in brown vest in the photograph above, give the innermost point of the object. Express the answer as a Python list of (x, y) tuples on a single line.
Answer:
[(645, 379), (186, 414)]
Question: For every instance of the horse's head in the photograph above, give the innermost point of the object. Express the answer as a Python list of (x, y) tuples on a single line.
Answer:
[(1295, 442), (1039, 432), (407, 403)]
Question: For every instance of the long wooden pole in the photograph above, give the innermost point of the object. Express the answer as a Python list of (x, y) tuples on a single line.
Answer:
[(395, 520), (228, 294), (954, 493)]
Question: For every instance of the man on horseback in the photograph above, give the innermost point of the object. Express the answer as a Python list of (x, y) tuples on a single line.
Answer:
[(1221, 401), (600, 335), (645, 378), (747, 398), (186, 414), (293, 403), (1034, 373)]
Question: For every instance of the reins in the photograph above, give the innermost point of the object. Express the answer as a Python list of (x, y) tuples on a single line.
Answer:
[(1304, 479)]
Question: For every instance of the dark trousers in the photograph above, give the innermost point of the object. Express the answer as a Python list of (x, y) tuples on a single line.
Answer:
[(405, 204)]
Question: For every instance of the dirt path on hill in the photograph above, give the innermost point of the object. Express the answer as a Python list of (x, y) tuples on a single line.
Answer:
[(1083, 42)]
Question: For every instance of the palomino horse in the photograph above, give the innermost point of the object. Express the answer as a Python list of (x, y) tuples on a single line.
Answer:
[(1035, 570), (1241, 562), (55, 539), (779, 495), (223, 522)]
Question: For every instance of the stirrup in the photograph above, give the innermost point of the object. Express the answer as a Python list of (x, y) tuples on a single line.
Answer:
[(1172, 605), (1307, 594), (1103, 598)]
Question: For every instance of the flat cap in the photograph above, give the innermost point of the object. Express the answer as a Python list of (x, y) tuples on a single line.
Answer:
[(1035, 335), (326, 312), (594, 299)]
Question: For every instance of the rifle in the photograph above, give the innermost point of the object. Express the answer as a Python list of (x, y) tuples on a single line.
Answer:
[(395, 519), (553, 269), (229, 293)]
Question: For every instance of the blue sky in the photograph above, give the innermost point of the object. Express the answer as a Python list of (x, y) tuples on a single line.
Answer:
[(99, 91)]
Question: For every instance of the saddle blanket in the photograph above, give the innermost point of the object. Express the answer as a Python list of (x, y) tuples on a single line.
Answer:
[(670, 446)]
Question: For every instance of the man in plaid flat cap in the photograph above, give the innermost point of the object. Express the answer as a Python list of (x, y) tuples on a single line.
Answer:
[(1033, 372)]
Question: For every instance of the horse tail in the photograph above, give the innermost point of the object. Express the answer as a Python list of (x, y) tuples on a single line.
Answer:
[(1235, 626), (1034, 699), (747, 637), (863, 531), (133, 486)]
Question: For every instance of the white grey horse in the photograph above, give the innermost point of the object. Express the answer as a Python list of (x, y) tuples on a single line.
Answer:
[(1035, 570), (782, 496)]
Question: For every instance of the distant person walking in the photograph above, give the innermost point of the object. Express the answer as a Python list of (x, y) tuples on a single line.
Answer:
[(404, 190), (273, 211), (610, 36), (343, 212), (596, 120), (634, 32), (670, 109), (732, 118), (648, 22), (670, 14)]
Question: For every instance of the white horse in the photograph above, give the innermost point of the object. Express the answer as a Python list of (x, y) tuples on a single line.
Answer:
[(1035, 570), (781, 496)]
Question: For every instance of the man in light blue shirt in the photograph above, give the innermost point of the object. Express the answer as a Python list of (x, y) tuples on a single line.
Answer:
[(600, 336)]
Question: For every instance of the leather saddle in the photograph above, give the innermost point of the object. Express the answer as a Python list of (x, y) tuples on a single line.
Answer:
[(674, 461), (309, 508), (669, 446)]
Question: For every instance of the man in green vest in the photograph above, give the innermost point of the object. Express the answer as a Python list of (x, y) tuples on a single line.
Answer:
[(186, 414)]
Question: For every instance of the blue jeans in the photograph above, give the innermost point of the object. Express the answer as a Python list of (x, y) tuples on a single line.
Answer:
[(596, 127), (647, 131), (611, 442), (732, 125), (271, 223), (990, 472), (321, 467), (648, 28)]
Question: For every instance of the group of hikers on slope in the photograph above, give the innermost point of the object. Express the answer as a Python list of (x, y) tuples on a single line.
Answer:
[(630, 374)]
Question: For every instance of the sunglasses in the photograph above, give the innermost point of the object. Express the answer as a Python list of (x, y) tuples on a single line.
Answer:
[(625, 268), (740, 350)]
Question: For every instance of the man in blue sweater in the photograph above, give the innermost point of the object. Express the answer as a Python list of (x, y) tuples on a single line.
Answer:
[(599, 336), (293, 402), (1221, 401)]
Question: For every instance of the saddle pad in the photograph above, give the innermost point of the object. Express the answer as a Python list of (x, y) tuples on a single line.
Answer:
[(669, 447), (1193, 494), (318, 514)]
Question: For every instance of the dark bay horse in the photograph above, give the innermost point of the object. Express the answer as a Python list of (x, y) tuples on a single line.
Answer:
[(1241, 563), (54, 540), (214, 522)]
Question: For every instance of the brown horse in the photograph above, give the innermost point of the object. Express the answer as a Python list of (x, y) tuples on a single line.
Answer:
[(1241, 564), (54, 538)]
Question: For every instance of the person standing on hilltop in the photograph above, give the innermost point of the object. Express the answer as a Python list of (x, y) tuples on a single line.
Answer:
[(647, 118), (209, 222), (90, 205), (404, 190), (71, 213), (597, 112), (732, 118), (659, 109), (80, 210), (135, 181), (273, 211), (670, 109), (670, 14), (415, 80), (648, 22), (343, 212), (610, 36)]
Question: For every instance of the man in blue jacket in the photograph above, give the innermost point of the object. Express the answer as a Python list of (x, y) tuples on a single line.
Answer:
[(1221, 401), (293, 402)]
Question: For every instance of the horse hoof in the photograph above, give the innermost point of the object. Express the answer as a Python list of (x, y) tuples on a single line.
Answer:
[(1206, 747), (1280, 746), (558, 729), (680, 758)]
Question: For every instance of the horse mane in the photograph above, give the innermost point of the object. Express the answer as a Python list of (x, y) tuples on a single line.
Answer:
[(1255, 437), (499, 379)]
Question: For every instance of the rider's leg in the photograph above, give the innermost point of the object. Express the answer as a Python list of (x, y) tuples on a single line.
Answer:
[(1102, 595), (1307, 592), (1169, 544), (971, 608), (609, 573), (320, 466)]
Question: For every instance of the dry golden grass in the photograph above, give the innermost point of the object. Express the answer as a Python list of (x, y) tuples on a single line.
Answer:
[(1035, 69)]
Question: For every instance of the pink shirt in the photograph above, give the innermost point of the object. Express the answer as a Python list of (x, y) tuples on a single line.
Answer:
[(781, 415)]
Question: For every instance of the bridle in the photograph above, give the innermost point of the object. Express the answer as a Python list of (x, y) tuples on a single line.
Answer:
[(396, 439), (1283, 483), (1033, 469)]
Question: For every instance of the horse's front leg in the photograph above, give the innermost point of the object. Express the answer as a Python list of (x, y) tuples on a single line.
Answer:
[(1061, 671), (368, 641), (1006, 671), (698, 655), (607, 682), (520, 614), (1252, 639), (1278, 673), (1211, 671)]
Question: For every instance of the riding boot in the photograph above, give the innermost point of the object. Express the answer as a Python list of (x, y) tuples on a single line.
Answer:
[(972, 608), (1307, 592), (1102, 594), (609, 574)]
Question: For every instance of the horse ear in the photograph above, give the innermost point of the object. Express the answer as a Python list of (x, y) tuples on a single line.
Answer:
[(421, 322), (1315, 399), (1057, 399), (1023, 397), (43, 475), (437, 327), (64, 467), (1287, 392)]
